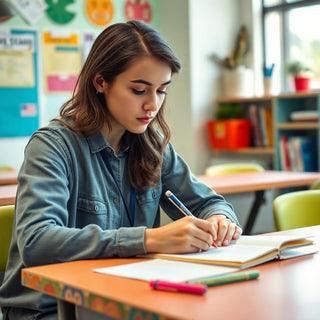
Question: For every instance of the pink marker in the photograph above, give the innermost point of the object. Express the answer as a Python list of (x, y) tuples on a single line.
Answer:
[(178, 287)]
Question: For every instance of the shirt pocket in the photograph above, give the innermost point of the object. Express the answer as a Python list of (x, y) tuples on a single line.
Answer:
[(149, 196), (91, 211)]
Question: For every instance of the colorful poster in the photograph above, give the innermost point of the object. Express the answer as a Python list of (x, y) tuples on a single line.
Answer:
[(16, 60), (62, 61), (19, 103)]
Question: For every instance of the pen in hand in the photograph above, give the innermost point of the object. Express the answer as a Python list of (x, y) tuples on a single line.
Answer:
[(178, 203), (181, 207)]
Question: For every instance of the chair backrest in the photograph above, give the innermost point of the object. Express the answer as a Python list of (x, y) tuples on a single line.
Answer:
[(297, 209), (315, 185), (228, 168), (6, 223)]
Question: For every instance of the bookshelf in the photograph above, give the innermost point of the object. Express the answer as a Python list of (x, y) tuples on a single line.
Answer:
[(281, 107)]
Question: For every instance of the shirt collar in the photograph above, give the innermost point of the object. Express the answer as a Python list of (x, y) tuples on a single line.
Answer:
[(97, 142)]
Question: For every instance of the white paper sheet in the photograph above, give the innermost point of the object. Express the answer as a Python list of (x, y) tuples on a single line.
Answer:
[(168, 270)]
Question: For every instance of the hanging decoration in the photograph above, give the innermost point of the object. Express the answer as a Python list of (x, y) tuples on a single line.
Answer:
[(138, 10), (58, 12), (99, 12)]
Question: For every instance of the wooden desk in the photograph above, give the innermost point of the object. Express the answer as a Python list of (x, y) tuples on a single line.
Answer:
[(8, 194), (287, 289), (8, 177), (258, 182)]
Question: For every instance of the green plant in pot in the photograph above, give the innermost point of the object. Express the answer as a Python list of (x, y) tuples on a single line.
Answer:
[(301, 74), (229, 111)]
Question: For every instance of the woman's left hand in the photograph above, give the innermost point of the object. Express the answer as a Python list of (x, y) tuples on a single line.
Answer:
[(225, 229)]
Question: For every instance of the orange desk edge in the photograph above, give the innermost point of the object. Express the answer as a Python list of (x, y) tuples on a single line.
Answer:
[(285, 290)]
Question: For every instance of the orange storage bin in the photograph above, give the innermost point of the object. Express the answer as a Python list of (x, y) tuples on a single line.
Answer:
[(229, 134)]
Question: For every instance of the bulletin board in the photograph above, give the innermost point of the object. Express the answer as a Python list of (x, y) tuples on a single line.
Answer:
[(19, 105)]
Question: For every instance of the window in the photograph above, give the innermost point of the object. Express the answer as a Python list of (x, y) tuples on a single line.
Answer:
[(291, 32)]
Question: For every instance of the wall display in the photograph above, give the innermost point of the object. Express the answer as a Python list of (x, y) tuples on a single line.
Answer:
[(31, 11), (19, 106), (138, 10), (99, 12), (58, 11), (62, 61), (16, 60)]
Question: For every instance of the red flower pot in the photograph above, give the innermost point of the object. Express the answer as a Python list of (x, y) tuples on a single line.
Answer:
[(302, 84)]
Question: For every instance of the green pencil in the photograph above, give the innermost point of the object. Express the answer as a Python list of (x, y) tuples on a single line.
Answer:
[(227, 278)]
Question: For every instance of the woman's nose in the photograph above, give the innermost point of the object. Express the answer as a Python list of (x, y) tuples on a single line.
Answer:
[(152, 103)]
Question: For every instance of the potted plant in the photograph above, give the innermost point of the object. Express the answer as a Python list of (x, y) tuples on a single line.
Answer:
[(237, 79), (301, 73)]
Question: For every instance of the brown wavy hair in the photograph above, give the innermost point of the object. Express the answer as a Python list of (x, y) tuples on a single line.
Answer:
[(111, 54)]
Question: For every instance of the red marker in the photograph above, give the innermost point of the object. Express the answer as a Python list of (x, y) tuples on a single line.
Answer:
[(178, 287)]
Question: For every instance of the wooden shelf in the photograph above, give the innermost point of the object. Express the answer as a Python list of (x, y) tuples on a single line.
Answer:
[(301, 125), (251, 150), (282, 106)]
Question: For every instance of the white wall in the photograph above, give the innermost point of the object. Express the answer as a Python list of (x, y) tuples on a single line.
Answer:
[(195, 30), (213, 28)]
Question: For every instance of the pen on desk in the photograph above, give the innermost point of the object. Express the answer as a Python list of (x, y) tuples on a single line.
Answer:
[(178, 287), (227, 278), (181, 207)]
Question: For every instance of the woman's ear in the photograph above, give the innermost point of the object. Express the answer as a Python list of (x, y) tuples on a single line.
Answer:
[(99, 83)]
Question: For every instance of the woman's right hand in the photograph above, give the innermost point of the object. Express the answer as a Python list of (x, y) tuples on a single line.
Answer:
[(189, 234)]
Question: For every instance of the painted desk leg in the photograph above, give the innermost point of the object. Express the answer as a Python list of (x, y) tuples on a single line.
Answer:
[(254, 211), (66, 310)]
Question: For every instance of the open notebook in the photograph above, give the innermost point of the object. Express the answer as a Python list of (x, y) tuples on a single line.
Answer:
[(248, 251)]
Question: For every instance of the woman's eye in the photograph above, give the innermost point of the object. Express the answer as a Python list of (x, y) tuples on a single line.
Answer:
[(162, 92), (138, 92)]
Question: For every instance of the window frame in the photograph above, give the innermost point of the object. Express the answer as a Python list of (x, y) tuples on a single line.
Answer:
[(282, 8)]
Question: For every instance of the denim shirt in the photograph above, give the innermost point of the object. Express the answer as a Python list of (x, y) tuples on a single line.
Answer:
[(68, 206)]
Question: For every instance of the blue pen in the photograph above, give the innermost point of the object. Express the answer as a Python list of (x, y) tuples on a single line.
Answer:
[(178, 203)]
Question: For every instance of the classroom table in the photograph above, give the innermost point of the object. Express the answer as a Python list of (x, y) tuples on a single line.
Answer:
[(8, 177), (287, 289), (8, 194), (258, 182)]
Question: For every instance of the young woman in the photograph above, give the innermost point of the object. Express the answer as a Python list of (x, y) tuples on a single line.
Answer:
[(93, 181)]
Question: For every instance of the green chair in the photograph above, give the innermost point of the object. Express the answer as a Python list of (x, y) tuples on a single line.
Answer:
[(315, 185), (297, 209), (6, 223), (233, 167)]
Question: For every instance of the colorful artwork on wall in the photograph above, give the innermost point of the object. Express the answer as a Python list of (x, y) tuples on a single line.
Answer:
[(58, 11), (99, 12), (138, 10)]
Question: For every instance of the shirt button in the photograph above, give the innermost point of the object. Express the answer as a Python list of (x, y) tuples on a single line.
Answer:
[(153, 195), (115, 200), (96, 207)]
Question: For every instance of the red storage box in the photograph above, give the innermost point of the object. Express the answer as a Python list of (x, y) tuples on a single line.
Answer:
[(229, 134)]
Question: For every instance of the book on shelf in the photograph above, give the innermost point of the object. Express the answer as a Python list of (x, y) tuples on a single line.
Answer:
[(285, 154), (261, 123), (248, 251), (298, 153), (267, 118), (255, 124)]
